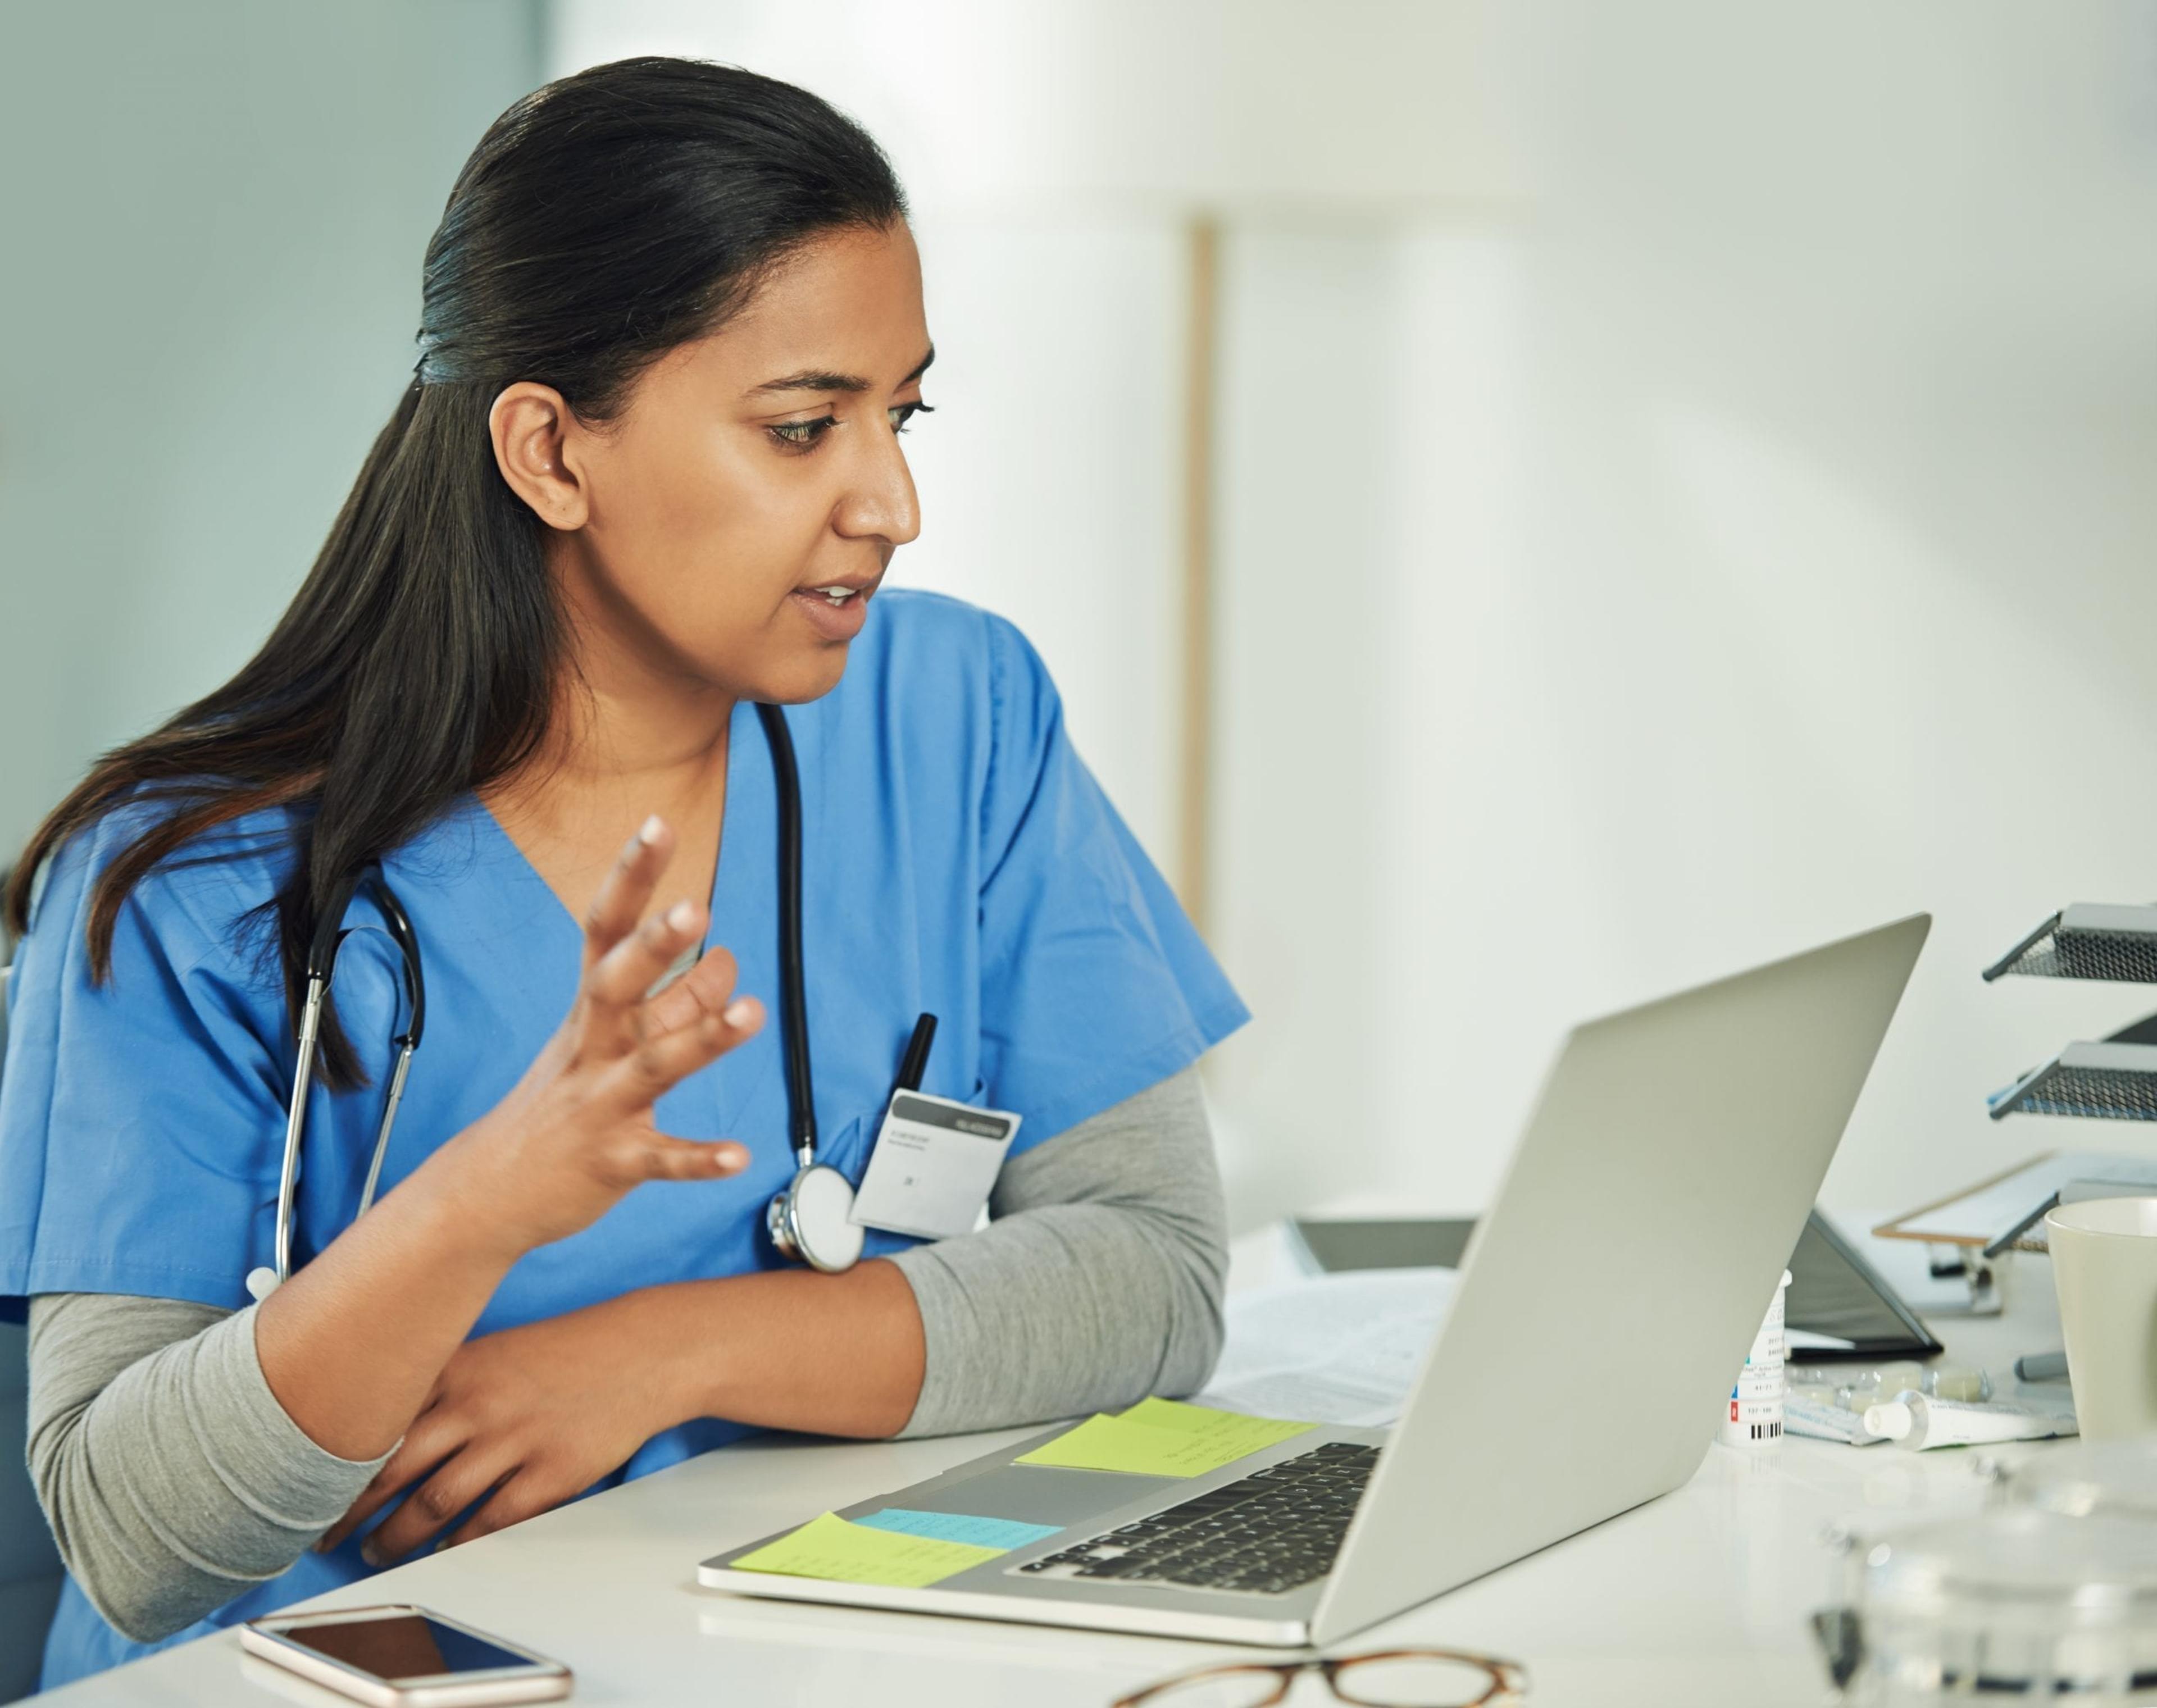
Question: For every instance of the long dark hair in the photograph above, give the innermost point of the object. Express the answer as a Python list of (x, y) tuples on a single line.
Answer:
[(602, 221)]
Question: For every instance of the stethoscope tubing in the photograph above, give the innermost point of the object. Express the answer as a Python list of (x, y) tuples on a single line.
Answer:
[(793, 982)]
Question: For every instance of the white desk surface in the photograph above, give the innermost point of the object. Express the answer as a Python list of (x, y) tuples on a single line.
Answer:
[(1702, 1596)]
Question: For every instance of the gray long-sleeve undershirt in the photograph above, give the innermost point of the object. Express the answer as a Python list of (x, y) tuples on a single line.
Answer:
[(174, 1480)]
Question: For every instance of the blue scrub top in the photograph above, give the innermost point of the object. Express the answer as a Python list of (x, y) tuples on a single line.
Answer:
[(959, 858)]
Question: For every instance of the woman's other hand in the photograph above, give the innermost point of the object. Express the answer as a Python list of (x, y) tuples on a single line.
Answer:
[(525, 1418), (577, 1133)]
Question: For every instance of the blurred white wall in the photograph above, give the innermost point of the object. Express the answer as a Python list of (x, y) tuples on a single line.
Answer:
[(1684, 493), (1835, 561), (212, 218)]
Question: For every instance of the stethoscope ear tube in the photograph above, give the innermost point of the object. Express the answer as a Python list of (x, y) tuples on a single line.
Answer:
[(262, 1283), (322, 951), (409, 1043), (398, 923)]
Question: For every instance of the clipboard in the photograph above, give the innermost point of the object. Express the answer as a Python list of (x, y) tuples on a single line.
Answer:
[(2005, 1211)]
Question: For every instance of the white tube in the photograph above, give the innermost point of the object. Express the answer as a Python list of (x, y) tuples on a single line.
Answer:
[(1915, 1422), (1829, 1423)]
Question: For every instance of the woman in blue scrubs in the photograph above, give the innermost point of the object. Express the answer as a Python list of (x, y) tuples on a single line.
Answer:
[(647, 474)]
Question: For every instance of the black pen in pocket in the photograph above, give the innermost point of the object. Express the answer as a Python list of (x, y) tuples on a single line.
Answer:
[(916, 1061)]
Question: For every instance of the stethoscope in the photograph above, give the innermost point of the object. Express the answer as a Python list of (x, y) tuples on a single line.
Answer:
[(810, 1222), (330, 933)]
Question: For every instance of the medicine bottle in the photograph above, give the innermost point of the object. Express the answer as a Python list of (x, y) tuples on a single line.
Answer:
[(1755, 1417)]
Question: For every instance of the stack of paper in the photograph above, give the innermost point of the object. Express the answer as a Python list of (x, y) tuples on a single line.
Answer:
[(1343, 1348)]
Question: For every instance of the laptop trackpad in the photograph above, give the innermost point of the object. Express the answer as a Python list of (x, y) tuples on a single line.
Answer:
[(1032, 1494)]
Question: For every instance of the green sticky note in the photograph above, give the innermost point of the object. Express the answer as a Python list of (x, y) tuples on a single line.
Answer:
[(852, 1553), (1161, 1439)]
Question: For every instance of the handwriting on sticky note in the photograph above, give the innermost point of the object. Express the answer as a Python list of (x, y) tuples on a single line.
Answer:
[(998, 1533), (830, 1547), (1162, 1438)]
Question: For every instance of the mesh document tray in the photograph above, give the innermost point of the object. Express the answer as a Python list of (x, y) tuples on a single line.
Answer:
[(2108, 1081), (2089, 940)]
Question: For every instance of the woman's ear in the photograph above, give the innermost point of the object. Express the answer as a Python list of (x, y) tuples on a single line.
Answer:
[(535, 432)]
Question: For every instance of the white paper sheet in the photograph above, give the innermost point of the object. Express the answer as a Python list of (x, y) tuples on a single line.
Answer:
[(1330, 1349)]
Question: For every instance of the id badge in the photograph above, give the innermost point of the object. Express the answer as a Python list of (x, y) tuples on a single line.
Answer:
[(932, 1166)]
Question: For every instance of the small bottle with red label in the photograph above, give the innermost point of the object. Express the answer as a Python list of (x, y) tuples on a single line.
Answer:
[(1755, 1415)]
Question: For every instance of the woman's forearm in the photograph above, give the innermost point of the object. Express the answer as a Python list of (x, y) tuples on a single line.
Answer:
[(172, 1478), (1099, 1282), (787, 1349), (352, 1344)]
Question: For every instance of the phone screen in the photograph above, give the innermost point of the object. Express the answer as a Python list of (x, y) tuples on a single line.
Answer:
[(403, 1646)]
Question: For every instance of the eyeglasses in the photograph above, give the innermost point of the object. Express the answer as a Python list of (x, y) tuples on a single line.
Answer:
[(1389, 1678)]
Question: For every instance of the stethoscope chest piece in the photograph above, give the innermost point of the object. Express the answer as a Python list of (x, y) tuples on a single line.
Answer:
[(811, 1222)]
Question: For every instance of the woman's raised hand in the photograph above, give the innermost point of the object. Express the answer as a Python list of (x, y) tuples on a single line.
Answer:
[(577, 1134)]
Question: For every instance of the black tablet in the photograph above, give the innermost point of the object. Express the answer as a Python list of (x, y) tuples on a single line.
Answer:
[(1834, 1291)]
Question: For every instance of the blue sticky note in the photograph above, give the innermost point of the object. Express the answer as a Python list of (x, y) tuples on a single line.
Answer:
[(959, 1527)]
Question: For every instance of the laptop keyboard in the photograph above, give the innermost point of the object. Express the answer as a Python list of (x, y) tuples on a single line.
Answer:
[(1267, 1532)]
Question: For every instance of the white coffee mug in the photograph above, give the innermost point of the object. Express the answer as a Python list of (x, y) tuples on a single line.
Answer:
[(2105, 1266)]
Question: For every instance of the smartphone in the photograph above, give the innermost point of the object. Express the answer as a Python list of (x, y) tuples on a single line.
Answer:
[(405, 1657)]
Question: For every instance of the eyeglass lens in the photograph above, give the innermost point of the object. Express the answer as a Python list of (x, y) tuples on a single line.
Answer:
[(1405, 1680), (1415, 1681), (1231, 1687)]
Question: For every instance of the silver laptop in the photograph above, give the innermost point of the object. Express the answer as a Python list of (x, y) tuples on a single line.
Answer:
[(1650, 1209)]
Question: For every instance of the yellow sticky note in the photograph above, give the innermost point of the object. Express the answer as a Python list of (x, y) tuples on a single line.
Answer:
[(1161, 1439), (853, 1553)]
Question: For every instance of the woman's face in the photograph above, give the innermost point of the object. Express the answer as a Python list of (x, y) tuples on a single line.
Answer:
[(738, 514)]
